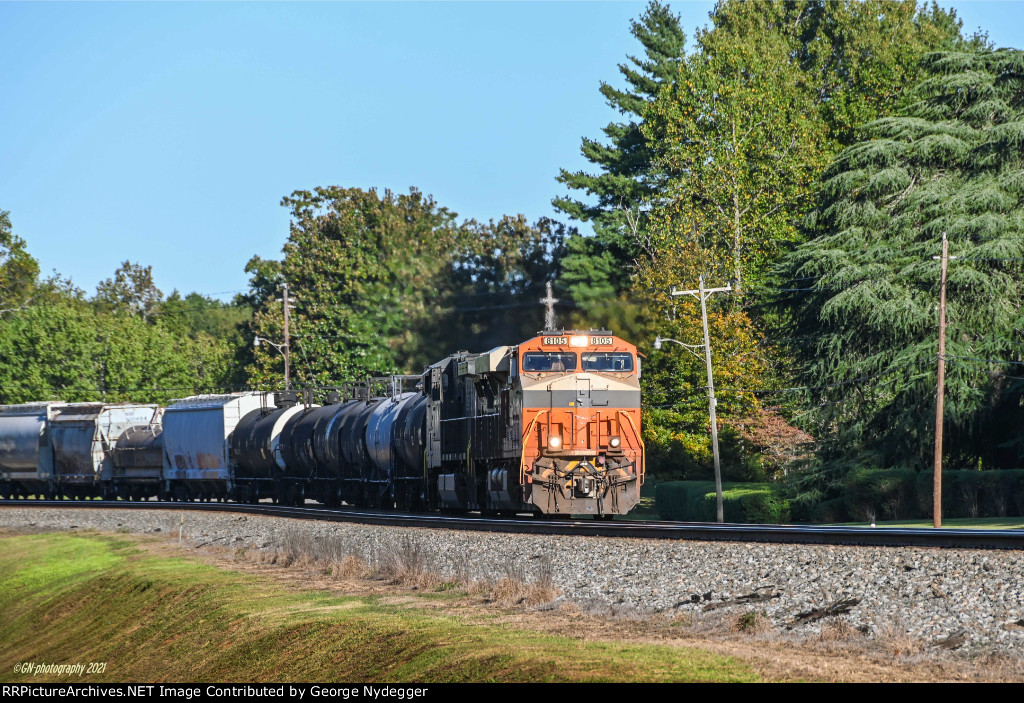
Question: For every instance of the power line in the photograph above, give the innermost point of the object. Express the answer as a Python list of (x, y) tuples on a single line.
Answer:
[(985, 361), (172, 389)]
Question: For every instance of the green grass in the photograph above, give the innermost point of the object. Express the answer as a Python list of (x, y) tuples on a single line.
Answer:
[(981, 523), (91, 598)]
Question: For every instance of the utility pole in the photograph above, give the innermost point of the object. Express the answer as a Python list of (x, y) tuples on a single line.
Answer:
[(705, 293), (549, 308), (940, 390), (287, 345), (284, 349)]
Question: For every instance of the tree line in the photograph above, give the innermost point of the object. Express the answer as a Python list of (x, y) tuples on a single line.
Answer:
[(809, 152)]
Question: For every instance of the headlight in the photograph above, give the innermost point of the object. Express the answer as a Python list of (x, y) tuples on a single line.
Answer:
[(614, 442), (555, 442), (579, 340)]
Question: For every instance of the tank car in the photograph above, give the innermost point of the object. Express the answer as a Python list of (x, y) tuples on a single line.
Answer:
[(256, 448), (327, 481), (315, 465), (301, 467), (410, 476), (355, 464)]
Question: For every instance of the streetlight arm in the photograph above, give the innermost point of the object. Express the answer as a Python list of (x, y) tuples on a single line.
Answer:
[(279, 347), (658, 342)]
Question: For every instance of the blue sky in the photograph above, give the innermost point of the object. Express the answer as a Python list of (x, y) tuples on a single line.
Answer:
[(167, 133)]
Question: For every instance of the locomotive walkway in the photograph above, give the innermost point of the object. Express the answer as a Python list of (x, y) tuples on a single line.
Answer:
[(789, 534)]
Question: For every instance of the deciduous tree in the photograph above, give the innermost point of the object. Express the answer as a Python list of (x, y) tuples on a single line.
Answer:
[(18, 270), (131, 291)]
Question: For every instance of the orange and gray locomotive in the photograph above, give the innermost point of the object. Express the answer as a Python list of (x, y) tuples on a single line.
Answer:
[(550, 426)]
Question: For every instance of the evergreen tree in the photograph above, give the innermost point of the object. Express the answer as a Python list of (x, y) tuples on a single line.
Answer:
[(950, 161), (590, 272), (627, 179)]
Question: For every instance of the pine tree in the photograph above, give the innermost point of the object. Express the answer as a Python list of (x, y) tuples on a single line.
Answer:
[(951, 161), (627, 179)]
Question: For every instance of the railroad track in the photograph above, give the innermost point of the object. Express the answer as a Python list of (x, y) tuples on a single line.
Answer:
[(790, 534)]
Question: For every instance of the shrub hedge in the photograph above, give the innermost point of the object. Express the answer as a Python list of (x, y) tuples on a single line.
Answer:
[(867, 495), (695, 501), (900, 494)]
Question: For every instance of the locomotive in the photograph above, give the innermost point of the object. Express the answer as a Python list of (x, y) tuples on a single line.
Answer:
[(550, 426)]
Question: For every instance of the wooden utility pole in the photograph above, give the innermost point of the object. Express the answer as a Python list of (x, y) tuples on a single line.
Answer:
[(940, 391), (704, 293)]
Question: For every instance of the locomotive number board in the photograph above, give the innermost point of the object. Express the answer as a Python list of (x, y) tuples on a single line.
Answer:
[(564, 341)]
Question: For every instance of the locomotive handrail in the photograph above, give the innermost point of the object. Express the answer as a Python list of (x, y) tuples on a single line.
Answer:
[(522, 460), (643, 449)]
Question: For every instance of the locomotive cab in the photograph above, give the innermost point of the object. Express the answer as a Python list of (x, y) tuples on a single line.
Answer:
[(581, 449)]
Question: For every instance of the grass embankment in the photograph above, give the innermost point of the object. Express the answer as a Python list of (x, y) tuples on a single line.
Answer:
[(93, 598)]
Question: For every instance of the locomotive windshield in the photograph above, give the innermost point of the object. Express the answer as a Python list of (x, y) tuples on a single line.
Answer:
[(607, 361), (549, 361)]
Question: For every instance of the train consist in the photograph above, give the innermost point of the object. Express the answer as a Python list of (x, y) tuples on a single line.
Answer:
[(550, 426)]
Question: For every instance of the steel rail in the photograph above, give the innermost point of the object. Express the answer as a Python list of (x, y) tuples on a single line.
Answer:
[(733, 532)]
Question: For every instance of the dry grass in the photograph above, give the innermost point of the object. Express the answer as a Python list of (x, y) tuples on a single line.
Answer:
[(403, 563), (837, 629), (510, 591), (753, 623), (350, 567), (893, 638)]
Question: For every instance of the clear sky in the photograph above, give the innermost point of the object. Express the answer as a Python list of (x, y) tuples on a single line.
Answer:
[(167, 133)]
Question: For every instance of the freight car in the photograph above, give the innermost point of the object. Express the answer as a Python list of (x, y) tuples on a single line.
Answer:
[(550, 426), (64, 449)]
